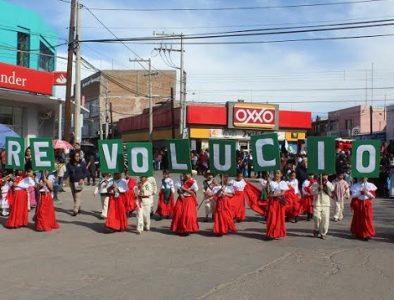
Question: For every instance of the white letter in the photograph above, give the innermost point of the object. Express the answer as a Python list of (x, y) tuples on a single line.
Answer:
[(175, 164), (320, 155), (40, 155), (13, 151), (359, 159), (134, 162), (227, 158), (110, 158), (259, 153)]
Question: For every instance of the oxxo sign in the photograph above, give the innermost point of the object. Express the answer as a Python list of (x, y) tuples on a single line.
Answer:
[(249, 115)]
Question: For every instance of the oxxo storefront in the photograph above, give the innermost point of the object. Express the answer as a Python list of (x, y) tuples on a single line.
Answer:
[(26, 105), (235, 120)]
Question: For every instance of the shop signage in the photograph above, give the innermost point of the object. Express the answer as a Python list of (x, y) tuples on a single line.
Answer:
[(253, 116), (24, 79), (59, 78)]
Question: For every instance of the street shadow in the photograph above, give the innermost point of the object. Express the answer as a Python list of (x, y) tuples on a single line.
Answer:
[(97, 227), (252, 235)]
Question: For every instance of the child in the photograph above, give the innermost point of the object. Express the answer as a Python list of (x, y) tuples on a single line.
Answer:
[(341, 192), (209, 203), (6, 183), (45, 217), (144, 204), (131, 202), (293, 199), (307, 200), (238, 201), (117, 213), (102, 189), (165, 206)]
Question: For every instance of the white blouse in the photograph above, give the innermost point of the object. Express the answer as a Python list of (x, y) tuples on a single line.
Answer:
[(239, 186), (25, 183), (278, 187), (367, 186), (294, 184)]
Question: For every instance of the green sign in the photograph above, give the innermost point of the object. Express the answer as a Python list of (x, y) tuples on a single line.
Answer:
[(179, 156), (222, 158), (42, 154), (15, 156), (366, 158), (266, 155), (321, 155), (111, 156), (140, 159)]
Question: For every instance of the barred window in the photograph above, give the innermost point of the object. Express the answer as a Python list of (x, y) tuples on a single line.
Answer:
[(23, 55), (47, 59)]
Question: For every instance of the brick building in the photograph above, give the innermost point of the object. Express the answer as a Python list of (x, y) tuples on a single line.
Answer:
[(124, 92)]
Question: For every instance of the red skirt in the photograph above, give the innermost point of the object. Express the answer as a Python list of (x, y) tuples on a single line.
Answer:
[(362, 222), (165, 209), (45, 217), (276, 219), (306, 206), (292, 207), (223, 220), (18, 210), (185, 215), (130, 202), (238, 206), (117, 213)]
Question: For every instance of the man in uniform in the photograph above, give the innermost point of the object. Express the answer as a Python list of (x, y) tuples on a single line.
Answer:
[(144, 204)]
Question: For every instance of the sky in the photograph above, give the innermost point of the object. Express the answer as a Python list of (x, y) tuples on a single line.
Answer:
[(318, 76)]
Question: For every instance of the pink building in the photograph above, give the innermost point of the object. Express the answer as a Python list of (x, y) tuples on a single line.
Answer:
[(356, 120)]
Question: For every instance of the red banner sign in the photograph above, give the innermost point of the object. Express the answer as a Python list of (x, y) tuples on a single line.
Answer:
[(247, 115), (23, 79), (59, 78)]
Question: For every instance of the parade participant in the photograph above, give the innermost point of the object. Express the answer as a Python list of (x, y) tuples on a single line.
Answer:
[(117, 214), (152, 181), (6, 184), (223, 221), (293, 199), (238, 201), (77, 172), (362, 223), (277, 189), (341, 192), (144, 204), (185, 211), (45, 218), (307, 197), (322, 192), (209, 203), (131, 201), (102, 189), (165, 205), (18, 200)]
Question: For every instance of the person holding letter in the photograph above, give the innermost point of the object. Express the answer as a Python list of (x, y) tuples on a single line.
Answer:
[(238, 201), (117, 213), (209, 202), (165, 206), (144, 203), (307, 199)]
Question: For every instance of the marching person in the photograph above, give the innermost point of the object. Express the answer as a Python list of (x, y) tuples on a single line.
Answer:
[(238, 201), (209, 202), (45, 217), (307, 197), (117, 213), (152, 181), (322, 192), (293, 205), (185, 211), (276, 188), (131, 201), (76, 171), (102, 189), (165, 205), (144, 204), (6, 184), (18, 200), (223, 221), (341, 192), (362, 223)]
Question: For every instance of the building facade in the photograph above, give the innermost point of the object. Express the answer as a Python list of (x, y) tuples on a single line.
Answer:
[(27, 62), (110, 95), (390, 123)]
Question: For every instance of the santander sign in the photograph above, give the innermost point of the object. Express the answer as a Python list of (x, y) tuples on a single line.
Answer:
[(254, 115), (23, 79)]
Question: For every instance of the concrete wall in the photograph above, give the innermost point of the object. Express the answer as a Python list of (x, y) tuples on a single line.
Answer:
[(390, 123)]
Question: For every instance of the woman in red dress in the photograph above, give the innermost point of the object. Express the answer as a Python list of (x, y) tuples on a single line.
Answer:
[(223, 219), (165, 206), (238, 201), (117, 212), (131, 203), (293, 199), (185, 211), (307, 199), (277, 189), (362, 223), (45, 217), (18, 200)]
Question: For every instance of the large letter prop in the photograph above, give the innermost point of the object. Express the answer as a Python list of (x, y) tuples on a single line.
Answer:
[(366, 158), (111, 156), (265, 150), (321, 155), (140, 159), (15, 156), (222, 158), (42, 154), (178, 152)]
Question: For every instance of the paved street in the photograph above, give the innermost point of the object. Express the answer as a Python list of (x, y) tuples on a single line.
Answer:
[(82, 261)]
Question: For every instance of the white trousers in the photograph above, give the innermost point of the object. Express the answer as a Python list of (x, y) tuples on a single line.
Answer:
[(104, 205), (210, 207), (321, 218), (339, 205), (143, 213)]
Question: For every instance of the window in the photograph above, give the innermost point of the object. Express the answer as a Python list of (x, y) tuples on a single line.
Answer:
[(349, 124), (12, 117), (333, 126), (47, 59), (23, 55)]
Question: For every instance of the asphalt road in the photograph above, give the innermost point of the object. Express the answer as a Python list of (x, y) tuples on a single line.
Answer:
[(81, 261)]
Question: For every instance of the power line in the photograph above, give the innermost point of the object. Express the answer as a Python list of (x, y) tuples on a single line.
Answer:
[(297, 89), (239, 7)]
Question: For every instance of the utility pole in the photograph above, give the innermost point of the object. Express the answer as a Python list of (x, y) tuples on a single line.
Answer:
[(172, 114), (371, 119), (371, 108), (71, 31), (77, 96), (111, 120)]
